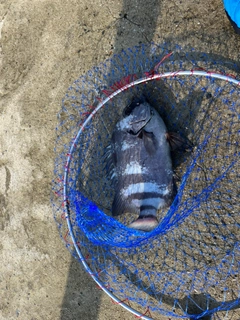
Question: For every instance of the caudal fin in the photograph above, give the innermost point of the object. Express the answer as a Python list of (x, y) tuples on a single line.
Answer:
[(147, 223)]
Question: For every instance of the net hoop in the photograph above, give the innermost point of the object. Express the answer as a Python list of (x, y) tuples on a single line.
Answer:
[(66, 209)]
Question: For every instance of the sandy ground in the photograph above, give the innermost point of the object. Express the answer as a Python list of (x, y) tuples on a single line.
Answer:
[(45, 46)]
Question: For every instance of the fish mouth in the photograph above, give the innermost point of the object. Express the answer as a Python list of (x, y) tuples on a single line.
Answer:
[(146, 224)]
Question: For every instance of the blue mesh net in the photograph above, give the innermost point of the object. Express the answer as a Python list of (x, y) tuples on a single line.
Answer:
[(188, 267)]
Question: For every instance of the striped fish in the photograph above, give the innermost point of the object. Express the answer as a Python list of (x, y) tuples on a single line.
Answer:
[(140, 165)]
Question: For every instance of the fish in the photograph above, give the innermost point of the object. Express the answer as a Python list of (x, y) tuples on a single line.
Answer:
[(140, 164)]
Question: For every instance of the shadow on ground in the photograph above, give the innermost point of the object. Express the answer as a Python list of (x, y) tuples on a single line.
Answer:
[(82, 295), (133, 15)]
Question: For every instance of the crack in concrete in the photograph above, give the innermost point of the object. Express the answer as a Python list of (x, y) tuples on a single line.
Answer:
[(8, 179), (123, 16)]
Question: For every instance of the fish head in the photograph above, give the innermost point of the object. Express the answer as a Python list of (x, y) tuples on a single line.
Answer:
[(141, 113)]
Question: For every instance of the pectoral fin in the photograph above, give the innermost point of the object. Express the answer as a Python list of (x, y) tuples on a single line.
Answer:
[(149, 141), (177, 142)]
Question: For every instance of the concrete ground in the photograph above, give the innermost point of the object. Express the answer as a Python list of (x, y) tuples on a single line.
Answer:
[(45, 46)]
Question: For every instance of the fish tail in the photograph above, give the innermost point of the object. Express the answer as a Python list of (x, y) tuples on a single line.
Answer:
[(147, 219), (147, 223)]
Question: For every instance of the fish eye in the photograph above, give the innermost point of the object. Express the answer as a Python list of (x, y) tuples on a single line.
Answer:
[(128, 109)]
